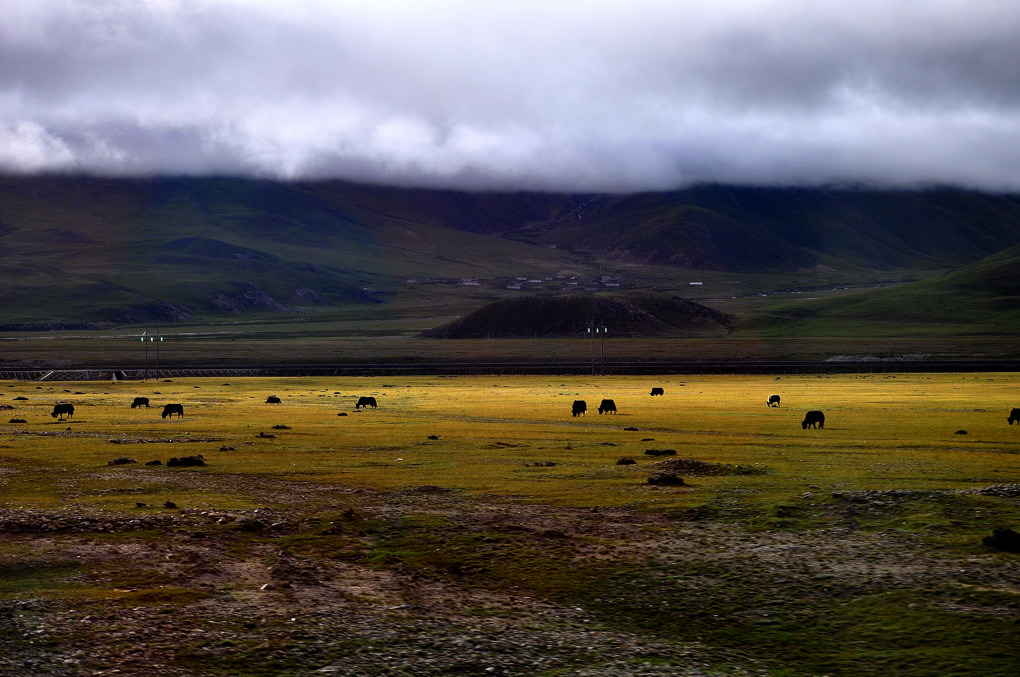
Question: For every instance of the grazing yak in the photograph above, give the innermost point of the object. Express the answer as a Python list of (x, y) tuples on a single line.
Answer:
[(272, 399), (171, 409), (580, 408), (365, 402), (140, 402), (657, 391), (607, 406), (62, 410), (813, 418), (773, 401), (1014, 416)]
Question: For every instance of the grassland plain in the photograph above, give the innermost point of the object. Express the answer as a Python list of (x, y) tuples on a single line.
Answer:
[(473, 526)]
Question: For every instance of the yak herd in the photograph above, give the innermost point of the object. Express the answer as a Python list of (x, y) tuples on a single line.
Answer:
[(66, 409), (813, 419)]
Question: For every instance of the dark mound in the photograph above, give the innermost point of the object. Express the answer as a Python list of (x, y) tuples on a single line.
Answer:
[(635, 314), (1003, 539), (186, 461), (690, 466)]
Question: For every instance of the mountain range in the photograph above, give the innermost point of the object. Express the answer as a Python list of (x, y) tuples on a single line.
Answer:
[(93, 251)]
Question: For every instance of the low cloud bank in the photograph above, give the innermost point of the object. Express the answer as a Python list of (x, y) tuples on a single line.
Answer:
[(646, 95)]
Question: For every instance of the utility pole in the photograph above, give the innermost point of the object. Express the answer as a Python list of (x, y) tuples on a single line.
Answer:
[(600, 332), (157, 339), (605, 330)]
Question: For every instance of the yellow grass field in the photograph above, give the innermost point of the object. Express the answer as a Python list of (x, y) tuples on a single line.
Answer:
[(515, 435), (472, 525)]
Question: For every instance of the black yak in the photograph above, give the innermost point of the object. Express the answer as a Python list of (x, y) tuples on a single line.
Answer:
[(171, 409), (813, 419), (62, 410)]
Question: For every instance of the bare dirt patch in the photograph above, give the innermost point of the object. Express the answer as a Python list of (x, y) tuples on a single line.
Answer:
[(294, 588), (315, 583)]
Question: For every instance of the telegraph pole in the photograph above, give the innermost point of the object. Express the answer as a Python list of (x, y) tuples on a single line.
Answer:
[(600, 332), (157, 339), (605, 330)]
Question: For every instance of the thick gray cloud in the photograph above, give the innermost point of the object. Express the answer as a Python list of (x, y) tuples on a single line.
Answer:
[(597, 95)]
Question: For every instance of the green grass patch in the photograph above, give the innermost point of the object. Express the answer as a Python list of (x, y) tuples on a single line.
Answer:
[(26, 575), (810, 622)]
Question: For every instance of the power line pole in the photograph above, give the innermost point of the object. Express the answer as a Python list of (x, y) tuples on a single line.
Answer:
[(600, 332), (605, 330), (157, 339)]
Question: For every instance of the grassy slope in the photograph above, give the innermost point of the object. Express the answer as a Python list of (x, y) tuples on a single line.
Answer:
[(92, 249), (982, 298), (162, 250), (750, 229)]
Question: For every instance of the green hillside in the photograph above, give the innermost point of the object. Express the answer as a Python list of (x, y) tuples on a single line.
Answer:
[(116, 252), (758, 229), (981, 298), (160, 250)]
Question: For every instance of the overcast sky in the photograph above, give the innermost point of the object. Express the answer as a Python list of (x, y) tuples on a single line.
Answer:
[(547, 94)]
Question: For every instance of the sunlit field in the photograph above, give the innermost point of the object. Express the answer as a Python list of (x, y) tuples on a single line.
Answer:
[(461, 502), (516, 435)]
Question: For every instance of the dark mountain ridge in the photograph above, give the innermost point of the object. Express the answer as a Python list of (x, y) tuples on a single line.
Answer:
[(743, 229), (133, 250)]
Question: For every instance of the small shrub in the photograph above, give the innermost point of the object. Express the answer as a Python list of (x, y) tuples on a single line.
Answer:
[(666, 479), (1006, 540), (185, 461), (123, 460)]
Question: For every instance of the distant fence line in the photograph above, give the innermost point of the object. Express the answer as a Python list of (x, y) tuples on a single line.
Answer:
[(577, 368)]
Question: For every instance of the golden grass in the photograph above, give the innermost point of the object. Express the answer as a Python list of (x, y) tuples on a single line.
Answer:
[(496, 435)]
